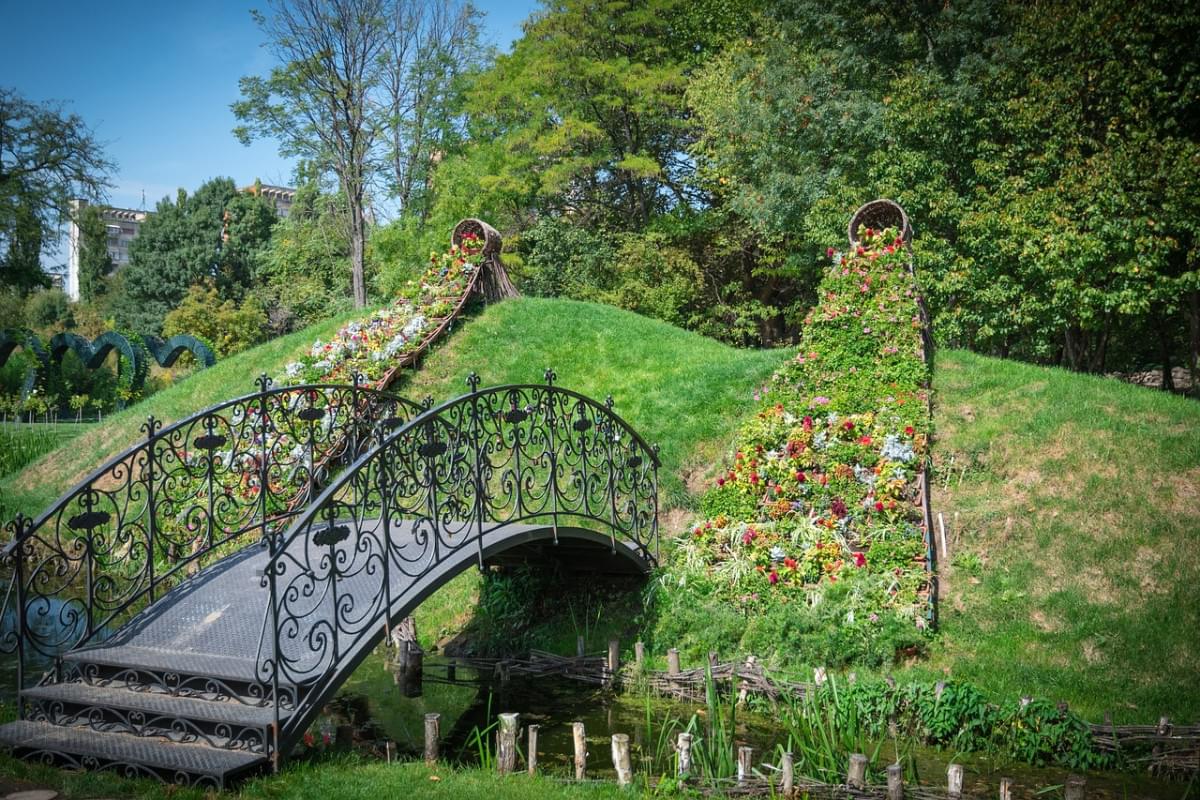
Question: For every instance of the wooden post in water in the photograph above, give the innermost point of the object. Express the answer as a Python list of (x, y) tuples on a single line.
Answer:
[(620, 757), (954, 780), (639, 654), (506, 756), (531, 753), (895, 782), (685, 755), (1006, 789), (614, 659), (579, 647), (580, 736), (745, 758), (856, 773), (432, 734), (413, 669), (673, 662), (787, 785), (1075, 788)]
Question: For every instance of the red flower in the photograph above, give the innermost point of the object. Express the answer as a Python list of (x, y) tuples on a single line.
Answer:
[(309, 739), (720, 481), (838, 507), (909, 430), (808, 423), (801, 477), (748, 536), (789, 562), (864, 440), (848, 425), (829, 252), (879, 505), (754, 477), (773, 577), (860, 560)]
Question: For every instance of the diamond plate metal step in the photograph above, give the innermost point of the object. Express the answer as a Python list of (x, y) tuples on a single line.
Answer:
[(219, 723), (130, 755)]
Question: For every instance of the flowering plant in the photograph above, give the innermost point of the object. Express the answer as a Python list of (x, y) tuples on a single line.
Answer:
[(822, 489), (371, 346)]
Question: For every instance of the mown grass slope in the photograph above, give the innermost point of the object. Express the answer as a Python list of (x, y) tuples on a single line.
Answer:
[(1073, 510)]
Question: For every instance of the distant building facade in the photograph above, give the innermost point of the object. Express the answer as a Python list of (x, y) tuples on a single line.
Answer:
[(122, 226)]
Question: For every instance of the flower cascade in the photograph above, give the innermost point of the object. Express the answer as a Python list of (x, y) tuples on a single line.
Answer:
[(371, 346), (819, 504)]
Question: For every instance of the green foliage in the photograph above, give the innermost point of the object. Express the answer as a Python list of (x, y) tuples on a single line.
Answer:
[(215, 233), (49, 311), (50, 158), (303, 275), (227, 326), (94, 261)]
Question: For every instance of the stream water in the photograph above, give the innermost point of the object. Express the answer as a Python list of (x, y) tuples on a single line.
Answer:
[(373, 700)]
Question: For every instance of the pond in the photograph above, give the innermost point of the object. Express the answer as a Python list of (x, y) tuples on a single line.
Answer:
[(374, 701)]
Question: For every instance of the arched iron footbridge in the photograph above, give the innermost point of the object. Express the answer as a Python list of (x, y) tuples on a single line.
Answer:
[(188, 609)]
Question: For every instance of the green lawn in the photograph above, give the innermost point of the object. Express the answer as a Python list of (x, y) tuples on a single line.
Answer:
[(346, 779), (1076, 553)]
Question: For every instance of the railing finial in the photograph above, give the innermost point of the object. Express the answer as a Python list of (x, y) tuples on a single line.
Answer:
[(151, 426), (263, 381), (473, 381), (358, 379), (550, 376)]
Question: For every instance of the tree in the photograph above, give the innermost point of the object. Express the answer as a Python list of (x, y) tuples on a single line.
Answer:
[(316, 103), (47, 158), (214, 234), (431, 44), (94, 261)]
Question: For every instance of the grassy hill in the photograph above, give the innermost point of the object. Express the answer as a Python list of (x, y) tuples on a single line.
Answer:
[(1072, 502), (1073, 511)]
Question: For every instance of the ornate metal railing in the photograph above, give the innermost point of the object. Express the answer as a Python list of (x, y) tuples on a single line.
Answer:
[(187, 495), (432, 491)]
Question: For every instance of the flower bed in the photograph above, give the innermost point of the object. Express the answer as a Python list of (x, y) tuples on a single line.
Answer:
[(817, 512), (373, 345)]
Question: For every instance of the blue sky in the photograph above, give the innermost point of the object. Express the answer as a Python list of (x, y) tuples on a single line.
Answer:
[(155, 80)]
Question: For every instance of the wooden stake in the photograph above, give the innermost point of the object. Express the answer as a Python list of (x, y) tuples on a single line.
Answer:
[(620, 757), (745, 757), (639, 653), (614, 658), (452, 671), (579, 646), (506, 757), (1074, 790), (895, 782), (1006, 789), (712, 658), (788, 784), (344, 739), (819, 676), (531, 753), (432, 735), (684, 745), (672, 661), (580, 737), (954, 780), (856, 773)]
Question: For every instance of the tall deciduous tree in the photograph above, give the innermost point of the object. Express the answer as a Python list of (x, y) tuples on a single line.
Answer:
[(316, 103), (47, 157), (430, 45)]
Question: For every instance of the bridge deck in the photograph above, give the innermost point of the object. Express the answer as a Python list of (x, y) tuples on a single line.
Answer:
[(213, 623)]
